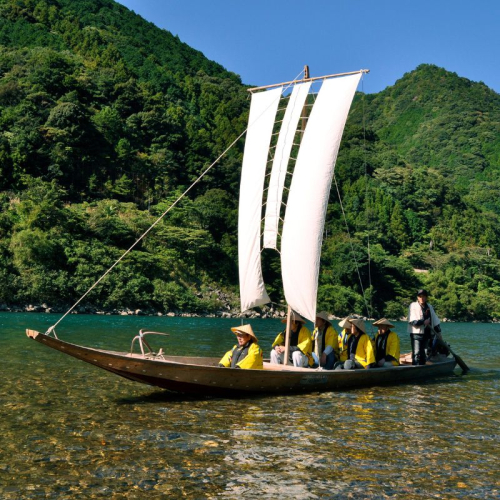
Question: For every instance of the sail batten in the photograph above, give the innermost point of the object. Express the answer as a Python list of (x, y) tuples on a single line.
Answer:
[(263, 110), (280, 162), (309, 193)]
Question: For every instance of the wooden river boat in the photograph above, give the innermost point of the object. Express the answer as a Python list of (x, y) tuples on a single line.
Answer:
[(284, 195), (202, 376)]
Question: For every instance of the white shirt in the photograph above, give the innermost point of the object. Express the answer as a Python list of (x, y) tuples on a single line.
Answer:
[(415, 313)]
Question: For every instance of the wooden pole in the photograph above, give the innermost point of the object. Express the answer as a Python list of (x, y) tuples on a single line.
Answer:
[(304, 109), (287, 336), (458, 359), (289, 314), (308, 80)]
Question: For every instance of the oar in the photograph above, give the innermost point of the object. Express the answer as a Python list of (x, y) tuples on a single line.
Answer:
[(458, 359)]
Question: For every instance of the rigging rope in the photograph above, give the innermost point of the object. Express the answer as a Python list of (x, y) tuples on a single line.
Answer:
[(350, 242), (198, 179), (366, 196), (369, 310)]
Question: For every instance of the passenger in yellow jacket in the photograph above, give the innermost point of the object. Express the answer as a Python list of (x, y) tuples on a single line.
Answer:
[(247, 354), (325, 342), (300, 344), (360, 348), (386, 344), (344, 338)]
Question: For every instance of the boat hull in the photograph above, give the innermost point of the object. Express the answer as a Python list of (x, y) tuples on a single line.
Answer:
[(203, 376)]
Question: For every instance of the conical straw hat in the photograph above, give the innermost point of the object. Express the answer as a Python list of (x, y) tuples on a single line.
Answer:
[(295, 317), (345, 322), (244, 329), (383, 321), (358, 323), (323, 315)]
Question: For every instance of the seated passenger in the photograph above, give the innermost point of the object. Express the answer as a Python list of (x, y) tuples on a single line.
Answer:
[(247, 354), (386, 344), (300, 344), (325, 342), (343, 338), (359, 348)]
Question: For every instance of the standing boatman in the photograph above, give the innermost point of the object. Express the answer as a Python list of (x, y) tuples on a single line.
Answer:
[(422, 323)]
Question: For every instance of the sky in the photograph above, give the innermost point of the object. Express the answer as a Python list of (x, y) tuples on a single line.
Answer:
[(270, 41)]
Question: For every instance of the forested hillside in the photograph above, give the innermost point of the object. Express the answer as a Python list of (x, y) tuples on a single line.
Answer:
[(105, 119)]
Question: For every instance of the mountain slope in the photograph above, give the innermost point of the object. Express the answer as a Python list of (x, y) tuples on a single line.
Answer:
[(432, 151), (435, 118), (115, 105), (99, 28)]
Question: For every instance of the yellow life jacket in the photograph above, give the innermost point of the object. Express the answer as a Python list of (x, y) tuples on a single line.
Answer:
[(365, 354), (391, 347), (251, 361), (330, 338), (304, 343), (343, 338)]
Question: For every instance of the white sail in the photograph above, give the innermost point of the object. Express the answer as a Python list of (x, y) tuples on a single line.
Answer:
[(309, 192), (280, 162), (261, 121)]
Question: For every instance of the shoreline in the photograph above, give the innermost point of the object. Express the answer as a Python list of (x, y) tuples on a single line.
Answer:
[(269, 314), (45, 309)]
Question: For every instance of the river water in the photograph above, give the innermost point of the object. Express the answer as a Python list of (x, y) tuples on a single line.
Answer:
[(70, 430)]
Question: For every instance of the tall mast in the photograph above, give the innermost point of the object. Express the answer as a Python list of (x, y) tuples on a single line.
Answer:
[(289, 312), (304, 109)]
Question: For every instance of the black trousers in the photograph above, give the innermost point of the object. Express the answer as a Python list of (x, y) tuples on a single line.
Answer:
[(418, 346)]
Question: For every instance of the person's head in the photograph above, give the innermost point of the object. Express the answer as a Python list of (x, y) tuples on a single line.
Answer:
[(422, 296), (321, 320), (244, 334), (243, 338), (320, 323), (295, 321), (358, 327), (384, 325)]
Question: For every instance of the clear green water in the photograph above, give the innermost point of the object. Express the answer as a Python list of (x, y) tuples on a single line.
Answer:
[(69, 430)]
